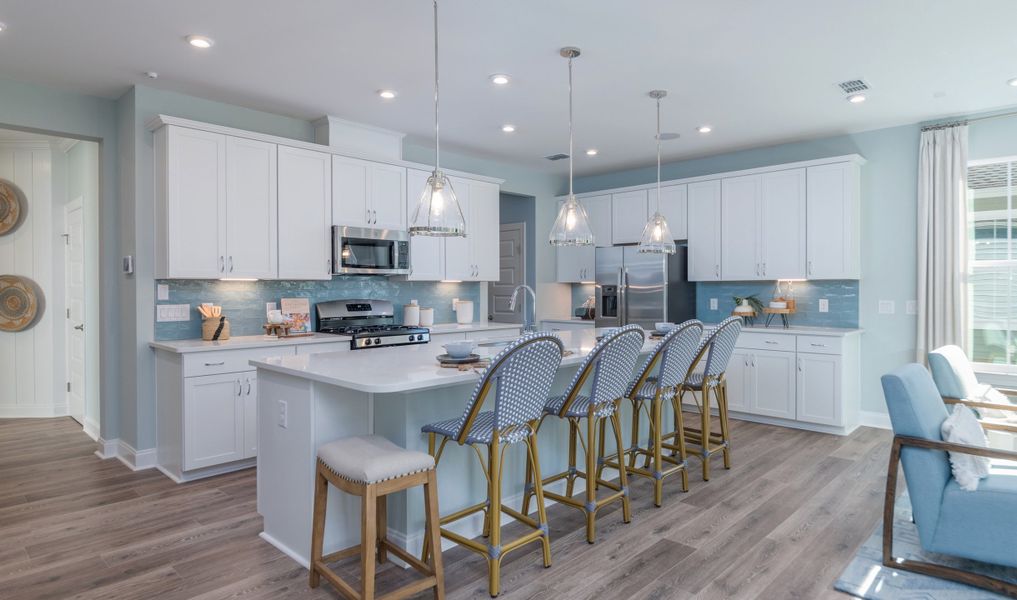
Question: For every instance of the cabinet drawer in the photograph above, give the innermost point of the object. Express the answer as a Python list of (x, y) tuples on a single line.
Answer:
[(229, 361), (818, 344), (766, 341)]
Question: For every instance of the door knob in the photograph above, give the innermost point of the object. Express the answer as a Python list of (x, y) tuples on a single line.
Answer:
[(80, 327)]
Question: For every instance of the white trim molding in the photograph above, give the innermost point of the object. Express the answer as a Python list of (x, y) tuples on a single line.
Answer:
[(135, 460), (871, 418), (91, 429), (31, 411), (106, 449)]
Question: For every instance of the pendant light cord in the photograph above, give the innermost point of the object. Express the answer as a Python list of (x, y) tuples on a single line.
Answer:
[(658, 155), (437, 146), (571, 152)]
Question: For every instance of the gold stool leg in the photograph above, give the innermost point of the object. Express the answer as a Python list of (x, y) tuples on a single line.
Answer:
[(494, 519), (600, 454), (725, 427), (679, 429), (318, 524), (433, 536), (658, 461), (636, 410), (538, 490), (623, 477), (368, 541), (528, 486), (705, 441), (591, 482), (570, 481)]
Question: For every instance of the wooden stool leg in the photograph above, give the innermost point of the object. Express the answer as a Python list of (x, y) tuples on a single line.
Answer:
[(494, 519), (591, 471), (600, 454), (538, 489), (623, 477), (658, 460), (368, 539), (528, 486), (318, 525), (431, 448), (433, 539), (636, 413), (571, 479), (382, 520), (725, 427), (705, 436), (679, 428)]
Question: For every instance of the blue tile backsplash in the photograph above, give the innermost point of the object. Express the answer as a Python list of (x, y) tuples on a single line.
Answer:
[(243, 302)]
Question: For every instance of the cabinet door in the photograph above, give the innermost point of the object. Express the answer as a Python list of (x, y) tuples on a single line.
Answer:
[(628, 216), (819, 389), (249, 394), (739, 253), (388, 197), (739, 381), (427, 254), (773, 375), (832, 249), (350, 192), (458, 257), (674, 205), (782, 225), (213, 420), (251, 209), (598, 209), (305, 214), (704, 230), (485, 234), (575, 264), (195, 204)]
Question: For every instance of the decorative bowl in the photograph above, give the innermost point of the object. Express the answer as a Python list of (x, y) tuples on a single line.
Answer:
[(664, 327), (460, 349)]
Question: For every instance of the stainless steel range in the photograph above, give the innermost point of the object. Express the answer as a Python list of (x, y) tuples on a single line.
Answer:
[(371, 324)]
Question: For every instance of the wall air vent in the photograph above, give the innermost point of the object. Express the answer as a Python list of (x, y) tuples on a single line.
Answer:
[(853, 86), (559, 156)]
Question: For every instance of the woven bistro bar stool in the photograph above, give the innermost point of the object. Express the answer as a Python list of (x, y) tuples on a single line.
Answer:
[(716, 348), (372, 467), (608, 369), (660, 379), (519, 379)]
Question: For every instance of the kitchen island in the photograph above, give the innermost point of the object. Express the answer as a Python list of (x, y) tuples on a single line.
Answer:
[(305, 401)]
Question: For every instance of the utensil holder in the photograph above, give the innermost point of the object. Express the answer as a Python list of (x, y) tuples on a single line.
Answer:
[(216, 329)]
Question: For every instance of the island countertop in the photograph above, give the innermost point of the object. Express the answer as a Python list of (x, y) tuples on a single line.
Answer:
[(407, 368)]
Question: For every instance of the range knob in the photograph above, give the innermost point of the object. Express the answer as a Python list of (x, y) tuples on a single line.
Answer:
[(377, 341), (420, 337), (367, 342), (412, 338)]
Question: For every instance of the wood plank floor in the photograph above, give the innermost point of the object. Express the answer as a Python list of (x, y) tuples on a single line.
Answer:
[(782, 523)]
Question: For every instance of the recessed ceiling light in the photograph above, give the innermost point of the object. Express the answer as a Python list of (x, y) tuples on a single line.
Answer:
[(200, 41), (856, 98), (591, 152), (508, 128), (704, 129), (499, 79), (151, 75), (387, 94), (3, 25), (1012, 82)]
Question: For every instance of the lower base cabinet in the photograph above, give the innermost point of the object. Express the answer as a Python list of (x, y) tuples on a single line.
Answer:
[(220, 419), (818, 387), (762, 382)]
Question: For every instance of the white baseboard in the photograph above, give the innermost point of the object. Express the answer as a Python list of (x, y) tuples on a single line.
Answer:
[(289, 551), (29, 411), (105, 449), (91, 429), (879, 420), (136, 460)]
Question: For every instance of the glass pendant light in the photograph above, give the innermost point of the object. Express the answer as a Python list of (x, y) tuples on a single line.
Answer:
[(572, 227), (438, 213), (657, 238)]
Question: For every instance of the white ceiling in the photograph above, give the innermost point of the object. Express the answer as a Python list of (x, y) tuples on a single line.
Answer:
[(759, 72)]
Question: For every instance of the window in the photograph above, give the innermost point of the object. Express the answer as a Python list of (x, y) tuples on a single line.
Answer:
[(992, 262)]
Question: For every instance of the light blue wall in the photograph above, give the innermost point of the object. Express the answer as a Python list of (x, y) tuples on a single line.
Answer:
[(843, 297), (522, 209), (243, 302)]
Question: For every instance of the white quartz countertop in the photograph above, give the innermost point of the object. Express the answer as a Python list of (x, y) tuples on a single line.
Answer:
[(405, 368), (238, 342), (440, 328), (573, 320), (777, 329)]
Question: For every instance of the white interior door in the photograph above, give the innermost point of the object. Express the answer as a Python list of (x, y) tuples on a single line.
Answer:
[(512, 269), (74, 289)]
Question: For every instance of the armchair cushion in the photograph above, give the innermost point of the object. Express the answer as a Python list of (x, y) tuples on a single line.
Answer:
[(953, 373), (962, 427), (981, 525)]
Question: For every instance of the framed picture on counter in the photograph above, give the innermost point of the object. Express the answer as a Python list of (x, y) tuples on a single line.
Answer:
[(298, 312)]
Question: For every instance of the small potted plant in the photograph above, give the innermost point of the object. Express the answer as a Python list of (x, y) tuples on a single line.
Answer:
[(747, 305)]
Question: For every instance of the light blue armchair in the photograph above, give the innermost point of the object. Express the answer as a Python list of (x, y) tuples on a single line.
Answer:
[(979, 525), (957, 383)]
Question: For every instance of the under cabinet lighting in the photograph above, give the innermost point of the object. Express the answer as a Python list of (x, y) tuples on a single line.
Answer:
[(238, 279), (451, 281)]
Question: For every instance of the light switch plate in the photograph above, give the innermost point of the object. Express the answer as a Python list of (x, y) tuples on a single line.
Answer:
[(284, 414), (824, 305), (162, 292), (713, 304), (170, 313), (887, 307), (911, 307)]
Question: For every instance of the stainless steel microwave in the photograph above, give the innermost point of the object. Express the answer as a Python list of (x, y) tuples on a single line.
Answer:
[(363, 251)]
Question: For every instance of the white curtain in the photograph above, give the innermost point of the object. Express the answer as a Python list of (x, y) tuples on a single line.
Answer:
[(942, 238)]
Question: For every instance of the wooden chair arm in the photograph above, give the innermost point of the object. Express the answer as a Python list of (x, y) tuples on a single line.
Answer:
[(903, 440), (979, 404)]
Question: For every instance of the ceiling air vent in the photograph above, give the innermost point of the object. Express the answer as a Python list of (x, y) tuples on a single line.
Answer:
[(853, 86), (558, 156)]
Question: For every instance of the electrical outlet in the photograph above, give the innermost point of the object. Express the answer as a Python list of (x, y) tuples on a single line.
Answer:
[(887, 307), (911, 307), (713, 304), (824, 305), (162, 292), (455, 301), (284, 414), (169, 313)]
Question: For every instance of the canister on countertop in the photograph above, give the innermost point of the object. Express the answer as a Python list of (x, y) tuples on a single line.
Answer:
[(411, 314), (464, 312), (427, 317), (215, 329)]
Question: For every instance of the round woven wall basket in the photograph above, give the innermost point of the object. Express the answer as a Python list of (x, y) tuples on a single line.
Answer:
[(21, 303), (12, 207)]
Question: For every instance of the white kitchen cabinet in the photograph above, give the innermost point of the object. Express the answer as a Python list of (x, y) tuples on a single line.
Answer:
[(475, 257), (833, 249), (567, 325), (213, 420), (738, 376), (819, 388), (251, 209), (598, 210), (576, 264), (674, 205), (773, 383), (704, 230), (458, 251), (740, 229), (368, 194), (628, 216), (782, 225), (249, 396), (427, 253), (305, 214), (190, 191)]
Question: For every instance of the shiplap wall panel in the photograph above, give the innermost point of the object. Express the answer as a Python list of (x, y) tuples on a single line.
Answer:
[(8, 384)]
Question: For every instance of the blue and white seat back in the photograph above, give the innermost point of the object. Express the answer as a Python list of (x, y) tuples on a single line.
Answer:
[(720, 345)]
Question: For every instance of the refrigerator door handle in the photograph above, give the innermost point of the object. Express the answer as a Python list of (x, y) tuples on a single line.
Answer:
[(622, 299)]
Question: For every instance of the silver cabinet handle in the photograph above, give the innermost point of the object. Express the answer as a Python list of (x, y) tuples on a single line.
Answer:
[(753, 360), (818, 345), (799, 365), (367, 215), (764, 269), (716, 271), (216, 364), (809, 268), (328, 267), (248, 387), (79, 327), (771, 342), (237, 387), (222, 264), (231, 264), (375, 217), (746, 361)]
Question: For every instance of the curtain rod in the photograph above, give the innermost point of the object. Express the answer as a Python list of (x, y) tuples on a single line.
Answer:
[(966, 121)]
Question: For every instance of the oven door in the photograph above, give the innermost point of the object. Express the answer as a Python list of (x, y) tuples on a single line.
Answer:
[(360, 251)]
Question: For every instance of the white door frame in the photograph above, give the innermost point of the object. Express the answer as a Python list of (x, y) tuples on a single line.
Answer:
[(77, 204), (521, 226)]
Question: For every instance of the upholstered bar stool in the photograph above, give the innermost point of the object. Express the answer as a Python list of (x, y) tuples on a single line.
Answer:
[(372, 467), (519, 379), (660, 379), (607, 369), (716, 349)]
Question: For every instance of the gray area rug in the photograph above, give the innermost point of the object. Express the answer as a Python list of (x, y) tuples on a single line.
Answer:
[(866, 577)]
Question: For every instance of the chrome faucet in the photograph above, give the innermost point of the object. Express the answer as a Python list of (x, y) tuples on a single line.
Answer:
[(530, 324)]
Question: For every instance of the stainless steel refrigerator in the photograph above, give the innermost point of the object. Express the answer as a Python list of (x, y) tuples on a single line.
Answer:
[(643, 288)]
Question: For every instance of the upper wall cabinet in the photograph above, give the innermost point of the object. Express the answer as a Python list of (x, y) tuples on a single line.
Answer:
[(628, 216), (474, 257), (740, 229), (704, 217), (427, 254), (216, 206), (763, 233), (598, 209), (832, 248), (674, 205), (368, 194), (305, 213)]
